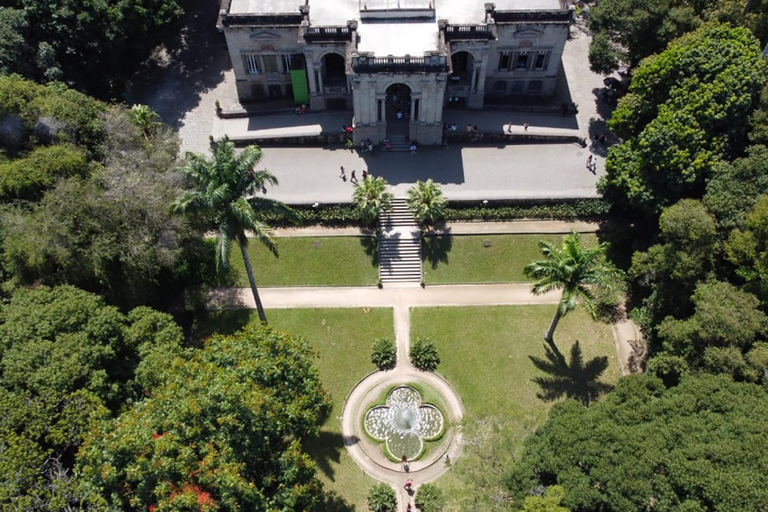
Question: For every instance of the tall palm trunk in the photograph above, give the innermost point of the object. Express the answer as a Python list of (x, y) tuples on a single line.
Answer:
[(550, 335), (252, 282)]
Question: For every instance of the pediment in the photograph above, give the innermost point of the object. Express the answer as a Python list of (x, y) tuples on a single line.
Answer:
[(264, 34), (528, 33)]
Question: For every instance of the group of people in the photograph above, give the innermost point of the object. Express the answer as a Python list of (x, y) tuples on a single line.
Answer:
[(366, 146), (352, 175)]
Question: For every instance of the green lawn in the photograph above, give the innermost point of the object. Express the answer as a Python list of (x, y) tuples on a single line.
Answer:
[(342, 339), (484, 355), (464, 258), (322, 261)]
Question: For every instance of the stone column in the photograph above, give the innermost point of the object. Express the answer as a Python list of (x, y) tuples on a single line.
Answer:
[(477, 92), (319, 71)]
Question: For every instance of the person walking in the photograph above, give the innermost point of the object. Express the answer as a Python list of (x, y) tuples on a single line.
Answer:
[(589, 162), (525, 126), (343, 174), (352, 177)]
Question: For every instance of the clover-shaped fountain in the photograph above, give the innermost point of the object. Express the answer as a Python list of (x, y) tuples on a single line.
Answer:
[(404, 423)]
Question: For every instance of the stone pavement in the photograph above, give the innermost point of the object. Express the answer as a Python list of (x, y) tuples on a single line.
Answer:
[(542, 171)]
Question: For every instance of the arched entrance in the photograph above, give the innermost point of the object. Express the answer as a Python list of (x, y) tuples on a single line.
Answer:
[(460, 80), (398, 112), (334, 71)]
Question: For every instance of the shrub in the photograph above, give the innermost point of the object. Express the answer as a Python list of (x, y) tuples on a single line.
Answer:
[(384, 354), (506, 210), (26, 178), (430, 498), (381, 498), (424, 355)]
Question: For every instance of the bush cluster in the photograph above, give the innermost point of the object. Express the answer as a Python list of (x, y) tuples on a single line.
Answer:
[(430, 498), (424, 355), (384, 354), (381, 498), (504, 210), (342, 215)]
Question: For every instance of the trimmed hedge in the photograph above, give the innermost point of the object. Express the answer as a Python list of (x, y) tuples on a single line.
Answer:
[(508, 210), (344, 215)]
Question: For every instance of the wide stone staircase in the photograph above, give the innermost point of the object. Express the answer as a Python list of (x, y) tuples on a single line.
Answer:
[(399, 245), (398, 143)]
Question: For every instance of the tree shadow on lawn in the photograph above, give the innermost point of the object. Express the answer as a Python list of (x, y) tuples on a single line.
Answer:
[(575, 379), (371, 247), (221, 321), (332, 502), (325, 449), (435, 247)]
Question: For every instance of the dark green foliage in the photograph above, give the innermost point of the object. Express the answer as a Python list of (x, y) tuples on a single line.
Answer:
[(64, 355), (688, 108), (110, 233), (424, 355), (747, 249), (222, 431), (669, 368), (621, 29), (724, 327), (27, 177), (573, 379), (582, 209), (89, 43), (666, 275), (15, 53), (734, 187), (381, 498), (61, 340), (696, 446), (50, 114), (39, 436), (430, 498), (384, 354)]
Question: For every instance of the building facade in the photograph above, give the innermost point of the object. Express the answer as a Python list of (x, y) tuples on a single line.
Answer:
[(397, 64)]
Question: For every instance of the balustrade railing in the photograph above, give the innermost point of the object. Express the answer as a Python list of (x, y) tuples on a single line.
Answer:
[(468, 32), (365, 64), (328, 34)]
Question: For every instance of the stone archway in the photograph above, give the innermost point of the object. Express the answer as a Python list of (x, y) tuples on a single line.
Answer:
[(398, 112), (334, 71)]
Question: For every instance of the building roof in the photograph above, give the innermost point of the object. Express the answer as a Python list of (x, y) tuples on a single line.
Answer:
[(381, 27), (398, 39)]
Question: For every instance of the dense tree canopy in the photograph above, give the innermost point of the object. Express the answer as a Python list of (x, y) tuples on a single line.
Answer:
[(221, 432), (687, 109), (694, 447), (89, 43), (64, 356)]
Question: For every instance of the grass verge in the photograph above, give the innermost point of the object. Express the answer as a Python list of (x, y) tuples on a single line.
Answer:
[(465, 259), (305, 261)]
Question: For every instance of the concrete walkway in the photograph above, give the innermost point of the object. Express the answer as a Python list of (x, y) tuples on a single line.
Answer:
[(458, 228)]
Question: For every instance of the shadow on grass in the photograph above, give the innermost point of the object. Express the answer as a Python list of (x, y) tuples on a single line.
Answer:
[(371, 247), (325, 449), (575, 379), (332, 502), (435, 248), (222, 321)]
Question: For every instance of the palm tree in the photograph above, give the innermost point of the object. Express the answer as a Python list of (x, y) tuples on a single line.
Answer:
[(426, 201), (224, 198), (145, 118), (371, 198), (575, 270), (576, 379)]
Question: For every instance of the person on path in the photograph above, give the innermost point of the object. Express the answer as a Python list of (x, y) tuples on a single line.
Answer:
[(352, 177), (343, 174), (525, 126), (509, 127), (593, 166), (365, 174), (589, 162), (406, 467)]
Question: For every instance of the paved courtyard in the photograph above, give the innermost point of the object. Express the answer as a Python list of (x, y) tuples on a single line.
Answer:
[(188, 76)]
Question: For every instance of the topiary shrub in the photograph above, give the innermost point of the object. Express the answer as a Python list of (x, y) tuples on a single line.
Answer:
[(430, 498), (384, 354), (424, 355), (381, 498)]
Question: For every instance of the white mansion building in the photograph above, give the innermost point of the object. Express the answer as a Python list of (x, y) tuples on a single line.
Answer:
[(395, 63)]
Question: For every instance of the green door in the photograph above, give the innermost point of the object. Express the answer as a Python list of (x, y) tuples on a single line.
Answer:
[(300, 88)]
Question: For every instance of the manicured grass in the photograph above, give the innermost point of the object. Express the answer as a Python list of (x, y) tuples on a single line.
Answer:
[(464, 259), (342, 339), (322, 261), (484, 353)]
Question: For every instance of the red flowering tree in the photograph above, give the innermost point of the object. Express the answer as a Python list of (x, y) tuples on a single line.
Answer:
[(220, 433)]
